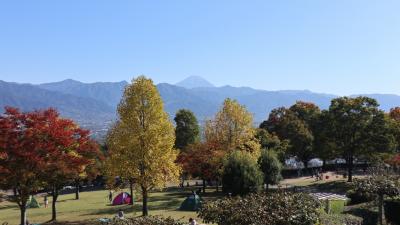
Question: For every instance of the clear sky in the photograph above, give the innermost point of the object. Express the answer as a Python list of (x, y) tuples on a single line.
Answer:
[(337, 46)]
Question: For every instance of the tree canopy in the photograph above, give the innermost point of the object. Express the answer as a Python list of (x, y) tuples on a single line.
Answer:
[(359, 129), (232, 128), (39, 150), (187, 130), (270, 166), (241, 174)]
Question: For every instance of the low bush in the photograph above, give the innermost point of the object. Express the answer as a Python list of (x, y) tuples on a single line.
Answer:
[(280, 208), (339, 219), (392, 211), (357, 197), (149, 220)]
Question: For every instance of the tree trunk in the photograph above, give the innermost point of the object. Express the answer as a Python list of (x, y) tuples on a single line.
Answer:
[(23, 214), (380, 199), (217, 185), (54, 195), (145, 210), (323, 165), (77, 190), (350, 168), (305, 167), (21, 204), (204, 186), (131, 191)]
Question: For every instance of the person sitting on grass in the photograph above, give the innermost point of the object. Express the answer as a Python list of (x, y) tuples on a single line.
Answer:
[(192, 222), (120, 214)]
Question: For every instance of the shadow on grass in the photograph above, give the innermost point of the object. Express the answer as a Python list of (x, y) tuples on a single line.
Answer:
[(15, 207), (367, 211), (113, 210)]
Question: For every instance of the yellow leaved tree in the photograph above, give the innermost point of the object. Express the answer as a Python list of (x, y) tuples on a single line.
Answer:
[(141, 143), (232, 128)]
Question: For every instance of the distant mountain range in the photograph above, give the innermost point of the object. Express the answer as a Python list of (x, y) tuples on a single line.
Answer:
[(93, 105)]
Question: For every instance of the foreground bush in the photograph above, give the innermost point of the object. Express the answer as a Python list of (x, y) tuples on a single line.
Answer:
[(357, 197), (392, 209), (279, 208), (339, 219), (148, 220)]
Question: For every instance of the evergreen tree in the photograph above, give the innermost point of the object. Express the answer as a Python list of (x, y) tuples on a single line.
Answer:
[(187, 130)]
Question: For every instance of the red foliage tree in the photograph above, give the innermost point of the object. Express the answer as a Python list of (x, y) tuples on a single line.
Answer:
[(39, 149), (395, 113), (202, 160)]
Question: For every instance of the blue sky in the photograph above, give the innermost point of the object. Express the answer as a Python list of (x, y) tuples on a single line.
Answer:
[(341, 47)]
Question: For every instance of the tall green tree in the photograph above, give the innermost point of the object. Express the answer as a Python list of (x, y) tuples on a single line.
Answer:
[(324, 146), (187, 130), (359, 129), (144, 139), (271, 167), (288, 125)]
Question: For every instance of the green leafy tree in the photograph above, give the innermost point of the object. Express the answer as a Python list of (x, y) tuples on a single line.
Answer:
[(187, 130), (394, 120), (271, 167), (295, 125), (143, 139), (271, 141), (241, 174), (359, 129), (324, 146)]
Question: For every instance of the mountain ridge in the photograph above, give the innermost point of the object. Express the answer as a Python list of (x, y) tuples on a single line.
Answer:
[(194, 82), (93, 105)]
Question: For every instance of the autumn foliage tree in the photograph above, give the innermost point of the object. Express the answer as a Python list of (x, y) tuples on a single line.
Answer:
[(144, 139), (39, 149), (232, 128), (72, 153), (202, 160)]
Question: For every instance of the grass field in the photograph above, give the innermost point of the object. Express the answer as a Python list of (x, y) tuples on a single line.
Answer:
[(95, 205)]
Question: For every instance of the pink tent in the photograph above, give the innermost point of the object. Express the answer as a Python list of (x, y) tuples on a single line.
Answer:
[(122, 198)]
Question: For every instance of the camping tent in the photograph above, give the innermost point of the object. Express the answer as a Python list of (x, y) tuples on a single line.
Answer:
[(122, 198), (191, 203), (32, 203)]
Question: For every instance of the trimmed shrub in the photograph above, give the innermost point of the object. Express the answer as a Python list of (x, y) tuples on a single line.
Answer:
[(392, 211), (241, 174), (357, 197), (339, 219), (280, 208)]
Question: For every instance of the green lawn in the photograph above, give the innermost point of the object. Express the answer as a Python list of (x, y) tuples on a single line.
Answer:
[(94, 205)]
